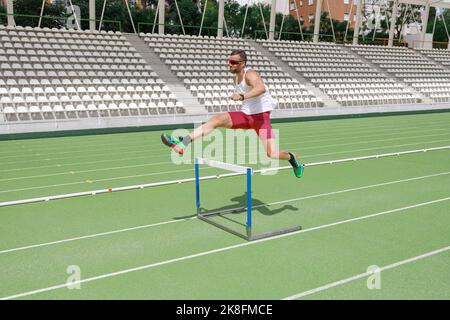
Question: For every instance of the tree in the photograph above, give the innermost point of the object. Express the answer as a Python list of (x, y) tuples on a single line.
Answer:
[(407, 14), (3, 18), (234, 16), (54, 13), (146, 16), (210, 20), (440, 32), (291, 29), (255, 27), (325, 30), (191, 11), (115, 10)]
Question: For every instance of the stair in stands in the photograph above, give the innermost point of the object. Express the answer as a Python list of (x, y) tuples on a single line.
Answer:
[(432, 60), (191, 104), (328, 102), (424, 98)]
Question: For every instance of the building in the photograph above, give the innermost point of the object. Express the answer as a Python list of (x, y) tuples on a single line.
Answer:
[(136, 3), (340, 10)]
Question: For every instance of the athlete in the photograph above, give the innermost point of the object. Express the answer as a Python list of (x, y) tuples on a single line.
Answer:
[(257, 104)]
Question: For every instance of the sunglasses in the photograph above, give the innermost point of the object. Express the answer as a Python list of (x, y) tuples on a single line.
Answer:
[(234, 62)]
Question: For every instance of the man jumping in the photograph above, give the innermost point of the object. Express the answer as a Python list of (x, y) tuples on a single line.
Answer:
[(257, 103)]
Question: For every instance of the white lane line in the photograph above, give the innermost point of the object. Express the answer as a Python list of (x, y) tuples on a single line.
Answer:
[(366, 274), (102, 234), (370, 141), (84, 156), (162, 163), (122, 167), (101, 180), (356, 189), (255, 207), (368, 149), (347, 127), (333, 131), (336, 136), (92, 151), (166, 172), (209, 252), (76, 164), (85, 171), (50, 157)]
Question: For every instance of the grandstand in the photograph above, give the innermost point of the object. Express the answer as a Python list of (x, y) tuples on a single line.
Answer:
[(438, 88), (53, 75), (409, 66), (341, 75), (76, 79), (64, 79), (207, 77), (95, 206)]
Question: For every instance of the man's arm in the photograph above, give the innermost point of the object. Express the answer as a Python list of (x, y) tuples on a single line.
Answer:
[(254, 81)]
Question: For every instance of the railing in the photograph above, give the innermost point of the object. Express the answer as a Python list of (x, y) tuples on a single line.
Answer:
[(261, 34), (377, 41), (148, 27), (297, 36), (434, 44)]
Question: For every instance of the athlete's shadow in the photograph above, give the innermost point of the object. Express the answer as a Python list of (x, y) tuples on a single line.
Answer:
[(240, 205)]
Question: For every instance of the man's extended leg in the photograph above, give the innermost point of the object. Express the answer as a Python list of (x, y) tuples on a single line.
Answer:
[(222, 120), (274, 153)]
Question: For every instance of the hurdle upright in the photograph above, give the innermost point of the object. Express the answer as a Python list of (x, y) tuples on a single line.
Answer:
[(206, 215)]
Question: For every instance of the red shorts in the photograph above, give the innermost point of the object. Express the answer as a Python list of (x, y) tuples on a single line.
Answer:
[(260, 122)]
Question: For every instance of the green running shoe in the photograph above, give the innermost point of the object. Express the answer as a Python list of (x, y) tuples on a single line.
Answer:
[(298, 167), (299, 171), (174, 143)]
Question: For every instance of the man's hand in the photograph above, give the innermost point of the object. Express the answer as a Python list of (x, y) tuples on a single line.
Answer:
[(236, 97)]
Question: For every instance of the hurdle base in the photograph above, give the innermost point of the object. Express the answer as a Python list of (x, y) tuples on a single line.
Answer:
[(248, 235), (274, 233)]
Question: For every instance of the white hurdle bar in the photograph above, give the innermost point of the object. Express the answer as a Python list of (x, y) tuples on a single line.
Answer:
[(225, 166), (189, 180)]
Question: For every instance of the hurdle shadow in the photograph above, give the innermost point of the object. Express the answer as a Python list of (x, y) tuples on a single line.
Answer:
[(239, 206)]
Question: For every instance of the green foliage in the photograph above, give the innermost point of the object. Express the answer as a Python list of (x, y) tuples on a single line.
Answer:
[(440, 32), (33, 7), (3, 19), (234, 17), (190, 16), (326, 32)]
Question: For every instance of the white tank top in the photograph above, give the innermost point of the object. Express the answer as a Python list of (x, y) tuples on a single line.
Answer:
[(259, 104)]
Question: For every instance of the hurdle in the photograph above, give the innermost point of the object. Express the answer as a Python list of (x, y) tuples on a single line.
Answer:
[(206, 215)]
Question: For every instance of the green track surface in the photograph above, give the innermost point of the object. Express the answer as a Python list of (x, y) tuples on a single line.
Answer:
[(354, 215)]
